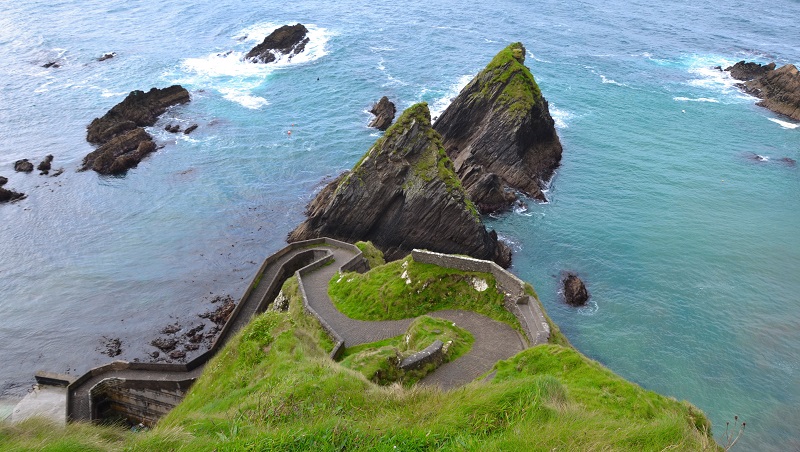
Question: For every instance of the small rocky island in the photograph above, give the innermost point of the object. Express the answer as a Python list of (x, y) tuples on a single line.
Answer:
[(288, 40), (384, 111), (120, 133), (403, 194), (499, 133), (779, 88)]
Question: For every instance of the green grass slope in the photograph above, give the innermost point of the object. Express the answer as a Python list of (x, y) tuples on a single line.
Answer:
[(273, 388)]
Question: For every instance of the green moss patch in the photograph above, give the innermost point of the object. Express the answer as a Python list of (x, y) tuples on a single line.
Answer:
[(405, 288), (378, 361)]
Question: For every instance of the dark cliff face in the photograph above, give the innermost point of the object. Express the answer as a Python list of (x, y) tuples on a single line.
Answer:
[(499, 133), (402, 195), (779, 88), (120, 133)]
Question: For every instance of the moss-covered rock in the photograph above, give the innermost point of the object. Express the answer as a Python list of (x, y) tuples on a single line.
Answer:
[(499, 133), (403, 194)]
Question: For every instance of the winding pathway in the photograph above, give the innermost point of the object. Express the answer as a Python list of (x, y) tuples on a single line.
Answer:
[(494, 340)]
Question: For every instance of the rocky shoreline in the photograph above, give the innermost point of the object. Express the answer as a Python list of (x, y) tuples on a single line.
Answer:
[(778, 89)]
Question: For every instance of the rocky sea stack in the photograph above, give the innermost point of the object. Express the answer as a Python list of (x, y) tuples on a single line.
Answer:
[(120, 132), (499, 133), (575, 293), (403, 194), (384, 111), (287, 40), (779, 88)]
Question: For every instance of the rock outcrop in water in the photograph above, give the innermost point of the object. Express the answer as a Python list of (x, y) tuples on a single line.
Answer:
[(23, 166), (499, 133), (384, 111), (403, 194), (8, 195), (287, 40), (575, 293), (120, 132), (779, 88)]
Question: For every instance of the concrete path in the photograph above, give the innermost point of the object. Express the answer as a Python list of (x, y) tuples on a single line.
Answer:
[(494, 340)]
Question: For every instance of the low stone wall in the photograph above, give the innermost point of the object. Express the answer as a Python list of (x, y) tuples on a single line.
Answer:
[(517, 300), (315, 257), (433, 353)]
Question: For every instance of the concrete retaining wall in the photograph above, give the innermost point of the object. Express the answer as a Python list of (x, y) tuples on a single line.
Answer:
[(142, 395), (517, 300), (139, 401), (432, 354)]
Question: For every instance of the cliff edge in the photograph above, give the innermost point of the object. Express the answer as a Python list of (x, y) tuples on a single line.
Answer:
[(403, 194), (499, 133)]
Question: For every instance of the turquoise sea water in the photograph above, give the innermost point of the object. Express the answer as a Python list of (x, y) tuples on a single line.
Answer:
[(689, 247)]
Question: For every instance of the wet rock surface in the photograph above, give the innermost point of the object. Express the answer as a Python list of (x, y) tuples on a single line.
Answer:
[(112, 346), (288, 40), (176, 340), (384, 111), (575, 293), (8, 195), (45, 165), (499, 133), (23, 166), (403, 194), (778, 89), (120, 133)]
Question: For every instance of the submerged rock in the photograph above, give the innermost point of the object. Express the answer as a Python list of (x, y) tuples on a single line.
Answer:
[(120, 133), (403, 194), (575, 293), (9, 195), (23, 166), (287, 40), (45, 165), (51, 64), (384, 112), (107, 56), (779, 88), (499, 133)]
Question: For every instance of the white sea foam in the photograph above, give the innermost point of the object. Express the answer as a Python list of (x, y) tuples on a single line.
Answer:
[(234, 77), (439, 105), (529, 54), (243, 98), (698, 99), (381, 66), (784, 124), (514, 244), (561, 117), (108, 93), (608, 81), (708, 77)]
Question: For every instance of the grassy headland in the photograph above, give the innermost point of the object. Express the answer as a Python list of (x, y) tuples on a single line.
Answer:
[(274, 388)]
